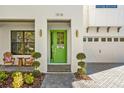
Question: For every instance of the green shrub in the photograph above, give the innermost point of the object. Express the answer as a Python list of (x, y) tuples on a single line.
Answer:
[(81, 56), (15, 73), (81, 64), (36, 64), (28, 78), (17, 79), (81, 71), (36, 55), (3, 75), (36, 73)]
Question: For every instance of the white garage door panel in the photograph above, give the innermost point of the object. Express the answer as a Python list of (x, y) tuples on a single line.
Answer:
[(119, 52), (104, 51), (91, 52)]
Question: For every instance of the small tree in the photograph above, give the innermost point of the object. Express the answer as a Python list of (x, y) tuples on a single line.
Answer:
[(36, 63), (82, 66)]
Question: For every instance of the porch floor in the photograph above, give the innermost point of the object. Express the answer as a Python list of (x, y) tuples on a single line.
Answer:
[(58, 80), (15, 68)]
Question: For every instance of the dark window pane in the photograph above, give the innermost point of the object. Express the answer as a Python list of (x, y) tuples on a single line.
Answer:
[(29, 36), (122, 39), (14, 48), (103, 39), (17, 36), (109, 39), (60, 37), (17, 48), (111, 6), (29, 48), (106, 6), (96, 39), (90, 39), (115, 39), (22, 42), (84, 39), (100, 6)]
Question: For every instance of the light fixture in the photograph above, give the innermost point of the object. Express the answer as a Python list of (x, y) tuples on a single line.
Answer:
[(76, 33), (118, 29), (40, 32)]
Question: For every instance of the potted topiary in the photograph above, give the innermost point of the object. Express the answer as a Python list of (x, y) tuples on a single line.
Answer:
[(81, 71), (36, 63), (36, 73)]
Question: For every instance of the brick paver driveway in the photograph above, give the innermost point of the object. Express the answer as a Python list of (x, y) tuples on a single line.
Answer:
[(108, 77)]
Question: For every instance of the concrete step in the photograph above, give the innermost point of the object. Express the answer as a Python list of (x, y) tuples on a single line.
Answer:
[(59, 68)]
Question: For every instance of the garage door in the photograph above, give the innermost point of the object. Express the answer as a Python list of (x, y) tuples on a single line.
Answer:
[(104, 49)]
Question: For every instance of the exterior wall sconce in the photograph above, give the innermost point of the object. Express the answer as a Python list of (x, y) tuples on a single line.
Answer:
[(118, 29), (40, 32), (108, 28), (77, 33), (97, 29), (87, 29)]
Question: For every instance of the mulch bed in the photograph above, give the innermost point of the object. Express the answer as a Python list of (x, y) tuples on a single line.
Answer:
[(82, 77), (36, 84)]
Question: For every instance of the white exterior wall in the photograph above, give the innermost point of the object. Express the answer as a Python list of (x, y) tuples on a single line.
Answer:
[(5, 35), (43, 13), (106, 16), (81, 17), (111, 52)]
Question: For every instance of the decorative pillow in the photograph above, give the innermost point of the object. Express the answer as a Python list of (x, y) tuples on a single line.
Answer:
[(8, 59)]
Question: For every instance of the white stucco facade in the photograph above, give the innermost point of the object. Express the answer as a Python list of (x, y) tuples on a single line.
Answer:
[(80, 17)]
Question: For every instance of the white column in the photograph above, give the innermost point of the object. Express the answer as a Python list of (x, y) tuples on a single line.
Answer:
[(41, 42)]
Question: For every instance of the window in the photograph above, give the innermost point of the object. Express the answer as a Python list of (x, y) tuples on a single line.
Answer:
[(100, 6), (60, 37), (96, 39), (90, 39), (106, 6), (103, 39), (121, 39), (22, 42), (84, 39), (115, 39), (111, 6), (109, 39)]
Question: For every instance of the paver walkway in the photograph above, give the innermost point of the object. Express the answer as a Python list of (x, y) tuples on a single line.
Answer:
[(109, 78), (57, 80)]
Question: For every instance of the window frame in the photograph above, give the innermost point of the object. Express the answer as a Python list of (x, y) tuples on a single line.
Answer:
[(23, 31), (106, 6), (109, 39), (103, 39), (115, 39), (96, 39), (90, 39), (121, 39), (84, 39)]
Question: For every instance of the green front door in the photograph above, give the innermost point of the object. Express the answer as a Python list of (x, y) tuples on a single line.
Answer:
[(58, 46)]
